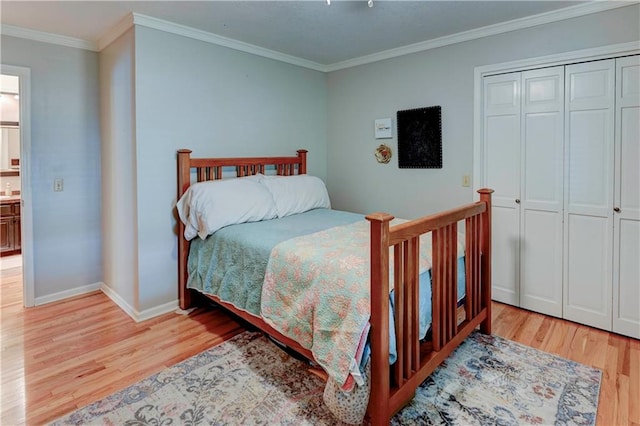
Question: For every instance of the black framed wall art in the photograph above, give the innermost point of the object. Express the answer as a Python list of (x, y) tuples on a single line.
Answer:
[(420, 138)]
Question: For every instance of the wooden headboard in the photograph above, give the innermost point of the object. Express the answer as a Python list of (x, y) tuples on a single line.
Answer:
[(212, 169)]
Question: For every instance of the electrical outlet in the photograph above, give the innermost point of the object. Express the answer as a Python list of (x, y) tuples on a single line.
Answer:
[(466, 180), (58, 185)]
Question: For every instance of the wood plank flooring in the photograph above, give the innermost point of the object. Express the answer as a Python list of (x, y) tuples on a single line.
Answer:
[(61, 356)]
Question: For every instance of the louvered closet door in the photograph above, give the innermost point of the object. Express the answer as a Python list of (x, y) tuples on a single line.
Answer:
[(626, 224), (541, 251), (501, 172), (589, 155)]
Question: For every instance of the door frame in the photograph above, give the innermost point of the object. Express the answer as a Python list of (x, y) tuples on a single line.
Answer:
[(26, 205), (604, 52)]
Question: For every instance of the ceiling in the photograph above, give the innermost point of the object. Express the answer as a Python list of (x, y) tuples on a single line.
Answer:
[(310, 29)]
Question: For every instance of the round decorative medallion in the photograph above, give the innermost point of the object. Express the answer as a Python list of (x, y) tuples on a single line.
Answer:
[(383, 154)]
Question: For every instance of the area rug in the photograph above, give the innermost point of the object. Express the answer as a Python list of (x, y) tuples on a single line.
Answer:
[(250, 381)]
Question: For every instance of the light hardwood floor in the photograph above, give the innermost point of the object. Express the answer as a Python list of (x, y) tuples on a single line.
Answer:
[(61, 356)]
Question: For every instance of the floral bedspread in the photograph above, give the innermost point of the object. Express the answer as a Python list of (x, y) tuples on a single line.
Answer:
[(316, 291)]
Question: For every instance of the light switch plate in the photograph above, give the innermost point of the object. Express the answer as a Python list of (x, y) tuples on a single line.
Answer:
[(382, 128)]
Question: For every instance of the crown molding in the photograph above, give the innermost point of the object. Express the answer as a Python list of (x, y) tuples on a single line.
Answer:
[(500, 28), (115, 32), (26, 33), (182, 30)]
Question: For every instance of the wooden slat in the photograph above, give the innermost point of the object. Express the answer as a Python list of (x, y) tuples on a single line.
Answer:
[(436, 292), (453, 259), (399, 313), (477, 265), (414, 267), (449, 279), (410, 320), (471, 266)]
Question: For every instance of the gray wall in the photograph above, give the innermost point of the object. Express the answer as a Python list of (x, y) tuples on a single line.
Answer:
[(119, 226), (65, 143), (444, 76), (216, 102)]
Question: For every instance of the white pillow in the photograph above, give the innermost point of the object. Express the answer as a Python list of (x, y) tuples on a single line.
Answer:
[(211, 205), (297, 194)]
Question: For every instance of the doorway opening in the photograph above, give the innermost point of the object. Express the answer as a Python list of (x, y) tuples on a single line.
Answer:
[(16, 230), (10, 185)]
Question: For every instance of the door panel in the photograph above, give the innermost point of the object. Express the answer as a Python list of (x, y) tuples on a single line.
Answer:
[(588, 212), (629, 168), (541, 266), (588, 298), (543, 160), (541, 164), (626, 319), (626, 223), (501, 172), (502, 168), (590, 161), (505, 241)]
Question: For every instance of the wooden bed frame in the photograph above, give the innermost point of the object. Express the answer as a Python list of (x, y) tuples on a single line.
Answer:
[(391, 386)]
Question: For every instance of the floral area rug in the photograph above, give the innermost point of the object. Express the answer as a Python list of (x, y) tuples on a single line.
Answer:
[(489, 380), (250, 381)]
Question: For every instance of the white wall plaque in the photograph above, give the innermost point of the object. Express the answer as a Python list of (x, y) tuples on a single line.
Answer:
[(383, 128)]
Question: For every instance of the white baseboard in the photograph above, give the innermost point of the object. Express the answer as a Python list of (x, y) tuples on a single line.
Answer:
[(122, 304), (68, 293), (156, 311), (115, 297), (135, 314)]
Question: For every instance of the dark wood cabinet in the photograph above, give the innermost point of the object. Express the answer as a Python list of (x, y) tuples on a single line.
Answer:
[(10, 238)]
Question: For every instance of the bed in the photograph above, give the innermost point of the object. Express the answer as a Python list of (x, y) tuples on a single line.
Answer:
[(395, 265)]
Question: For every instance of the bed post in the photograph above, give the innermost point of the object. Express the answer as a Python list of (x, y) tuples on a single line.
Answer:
[(184, 180), (485, 197), (380, 386), (302, 167)]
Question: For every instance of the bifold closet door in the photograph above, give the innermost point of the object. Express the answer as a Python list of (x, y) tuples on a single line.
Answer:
[(588, 207), (541, 205), (501, 172), (626, 223)]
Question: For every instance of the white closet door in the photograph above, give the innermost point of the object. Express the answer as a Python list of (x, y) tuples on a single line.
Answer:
[(542, 190), (626, 224), (501, 126), (589, 155)]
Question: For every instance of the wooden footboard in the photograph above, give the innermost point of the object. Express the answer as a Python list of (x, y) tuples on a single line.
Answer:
[(393, 386)]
